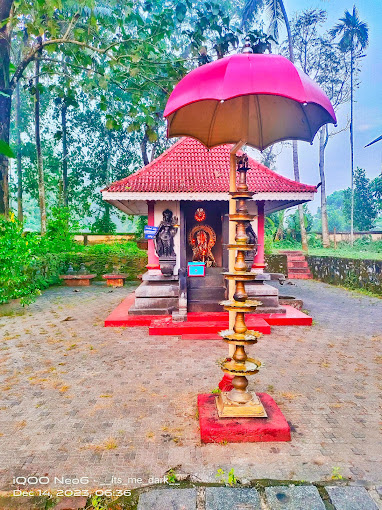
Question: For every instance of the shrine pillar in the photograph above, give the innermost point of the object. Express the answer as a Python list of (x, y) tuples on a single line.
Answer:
[(259, 265), (153, 261)]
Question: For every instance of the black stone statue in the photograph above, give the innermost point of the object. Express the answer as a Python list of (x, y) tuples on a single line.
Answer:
[(164, 238), (252, 239)]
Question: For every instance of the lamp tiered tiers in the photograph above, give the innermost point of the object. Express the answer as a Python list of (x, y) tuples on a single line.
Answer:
[(239, 402)]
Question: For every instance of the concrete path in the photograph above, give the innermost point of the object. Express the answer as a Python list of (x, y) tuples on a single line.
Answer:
[(118, 407)]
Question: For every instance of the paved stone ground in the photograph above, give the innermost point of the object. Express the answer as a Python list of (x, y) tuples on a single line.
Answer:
[(269, 498), (78, 399)]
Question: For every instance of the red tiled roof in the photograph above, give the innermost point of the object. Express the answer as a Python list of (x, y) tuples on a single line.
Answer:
[(188, 166)]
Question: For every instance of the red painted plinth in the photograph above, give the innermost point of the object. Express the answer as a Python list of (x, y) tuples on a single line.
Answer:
[(202, 326), (241, 430)]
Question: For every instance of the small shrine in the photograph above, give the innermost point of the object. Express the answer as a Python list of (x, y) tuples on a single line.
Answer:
[(184, 193)]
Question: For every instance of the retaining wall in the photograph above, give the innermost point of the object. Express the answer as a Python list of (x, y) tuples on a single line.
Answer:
[(276, 263), (352, 273)]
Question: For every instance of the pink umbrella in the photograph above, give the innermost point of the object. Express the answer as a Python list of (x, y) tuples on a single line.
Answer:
[(259, 99)]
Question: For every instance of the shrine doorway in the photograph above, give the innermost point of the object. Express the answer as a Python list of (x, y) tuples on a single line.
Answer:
[(202, 239), (203, 231)]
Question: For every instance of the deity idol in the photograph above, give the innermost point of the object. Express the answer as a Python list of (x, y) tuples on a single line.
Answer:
[(164, 238)]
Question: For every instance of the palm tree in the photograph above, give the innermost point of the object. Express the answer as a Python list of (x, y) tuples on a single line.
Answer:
[(354, 40), (277, 14)]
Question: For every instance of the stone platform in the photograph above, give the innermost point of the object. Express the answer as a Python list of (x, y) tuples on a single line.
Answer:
[(200, 326), (157, 295)]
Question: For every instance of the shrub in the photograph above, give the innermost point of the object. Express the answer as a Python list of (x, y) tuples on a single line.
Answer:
[(26, 266), (30, 263)]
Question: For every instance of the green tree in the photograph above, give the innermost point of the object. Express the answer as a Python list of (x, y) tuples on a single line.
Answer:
[(327, 65), (129, 47), (364, 203), (293, 223), (335, 214), (376, 186), (354, 39), (278, 16)]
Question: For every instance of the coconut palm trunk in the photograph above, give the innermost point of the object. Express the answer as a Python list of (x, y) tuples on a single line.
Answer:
[(324, 212), (351, 145), (354, 39), (296, 168)]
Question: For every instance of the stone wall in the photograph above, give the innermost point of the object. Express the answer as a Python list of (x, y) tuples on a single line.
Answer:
[(351, 273), (276, 263)]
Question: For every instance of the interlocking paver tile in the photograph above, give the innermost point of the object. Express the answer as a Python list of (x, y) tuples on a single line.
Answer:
[(294, 498), (168, 499), (226, 498), (76, 397), (351, 498)]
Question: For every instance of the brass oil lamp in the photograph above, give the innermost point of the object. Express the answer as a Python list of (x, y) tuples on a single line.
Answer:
[(239, 402)]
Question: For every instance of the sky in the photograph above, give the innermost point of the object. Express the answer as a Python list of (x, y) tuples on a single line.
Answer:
[(367, 112)]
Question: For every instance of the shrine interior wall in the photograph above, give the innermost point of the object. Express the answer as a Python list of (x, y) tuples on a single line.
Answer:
[(174, 206)]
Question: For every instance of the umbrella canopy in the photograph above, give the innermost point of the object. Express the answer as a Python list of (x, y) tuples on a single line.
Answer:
[(259, 99)]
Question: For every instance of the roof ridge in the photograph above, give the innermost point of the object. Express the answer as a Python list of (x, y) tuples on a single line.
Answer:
[(183, 168)]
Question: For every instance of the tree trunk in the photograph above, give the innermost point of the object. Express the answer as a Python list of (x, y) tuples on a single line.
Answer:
[(40, 167), (351, 149), (20, 215), (144, 141), (324, 212), (64, 109), (5, 101), (296, 170)]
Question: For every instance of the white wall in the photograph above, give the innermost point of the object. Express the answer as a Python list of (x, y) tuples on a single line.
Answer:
[(174, 206)]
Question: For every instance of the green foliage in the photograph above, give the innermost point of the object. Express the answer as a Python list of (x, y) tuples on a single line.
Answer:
[(336, 473), (363, 248), (171, 477), (140, 224), (30, 262), (293, 223), (365, 204), (231, 478), (99, 259), (58, 233), (376, 187), (268, 243), (220, 475), (26, 263)]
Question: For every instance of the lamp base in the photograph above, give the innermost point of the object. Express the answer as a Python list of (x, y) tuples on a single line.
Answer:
[(241, 430), (228, 409)]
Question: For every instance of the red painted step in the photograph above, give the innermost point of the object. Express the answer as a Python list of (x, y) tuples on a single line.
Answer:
[(298, 268), (297, 263), (168, 327), (299, 276)]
